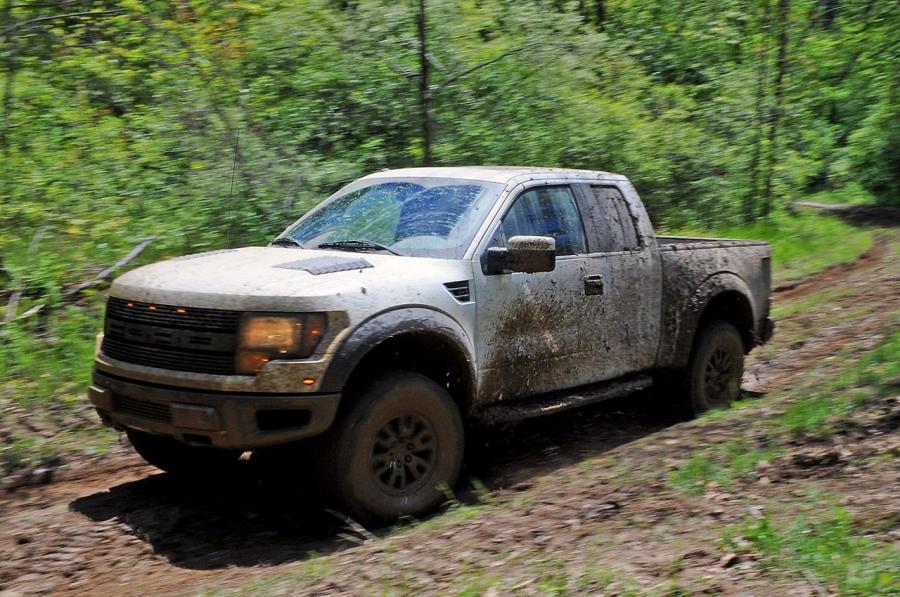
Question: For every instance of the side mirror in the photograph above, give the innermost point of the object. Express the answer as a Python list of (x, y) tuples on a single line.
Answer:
[(527, 254)]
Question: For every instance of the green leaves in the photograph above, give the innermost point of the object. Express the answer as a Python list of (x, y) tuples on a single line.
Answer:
[(127, 121)]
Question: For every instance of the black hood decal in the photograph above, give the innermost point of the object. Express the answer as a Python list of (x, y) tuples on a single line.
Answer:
[(325, 265)]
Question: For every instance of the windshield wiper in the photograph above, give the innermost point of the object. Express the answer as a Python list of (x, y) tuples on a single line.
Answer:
[(286, 241), (361, 245)]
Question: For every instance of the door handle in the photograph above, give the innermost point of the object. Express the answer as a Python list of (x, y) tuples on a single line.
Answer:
[(593, 284)]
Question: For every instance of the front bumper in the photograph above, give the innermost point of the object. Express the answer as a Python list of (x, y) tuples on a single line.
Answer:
[(219, 419)]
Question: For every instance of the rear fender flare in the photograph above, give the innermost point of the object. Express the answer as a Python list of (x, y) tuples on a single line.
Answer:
[(712, 287)]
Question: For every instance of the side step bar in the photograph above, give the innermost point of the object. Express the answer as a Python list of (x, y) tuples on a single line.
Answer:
[(547, 404)]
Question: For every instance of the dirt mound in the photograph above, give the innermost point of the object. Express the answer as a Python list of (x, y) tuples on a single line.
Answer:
[(859, 215)]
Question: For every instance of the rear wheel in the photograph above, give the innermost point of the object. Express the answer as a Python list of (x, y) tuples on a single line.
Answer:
[(174, 457), (397, 449), (713, 376)]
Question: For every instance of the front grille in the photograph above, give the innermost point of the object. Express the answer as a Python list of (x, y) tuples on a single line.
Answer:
[(168, 337), (166, 358), (145, 409), (211, 320)]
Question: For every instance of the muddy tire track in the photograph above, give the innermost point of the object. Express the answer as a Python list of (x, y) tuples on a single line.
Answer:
[(807, 337), (833, 274)]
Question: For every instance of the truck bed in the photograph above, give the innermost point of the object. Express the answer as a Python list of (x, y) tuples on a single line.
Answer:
[(687, 264)]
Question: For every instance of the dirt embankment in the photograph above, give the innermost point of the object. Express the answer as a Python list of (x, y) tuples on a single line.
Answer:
[(575, 493)]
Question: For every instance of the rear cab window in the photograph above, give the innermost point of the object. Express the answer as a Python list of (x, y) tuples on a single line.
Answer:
[(610, 218)]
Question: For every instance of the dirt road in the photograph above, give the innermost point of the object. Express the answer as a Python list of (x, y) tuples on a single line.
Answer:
[(577, 492)]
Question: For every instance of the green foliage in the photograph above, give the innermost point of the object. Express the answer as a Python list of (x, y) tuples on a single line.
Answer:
[(828, 548), (801, 244), (208, 124)]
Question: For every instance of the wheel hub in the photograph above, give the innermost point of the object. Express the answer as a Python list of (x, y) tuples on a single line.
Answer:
[(404, 454), (719, 376)]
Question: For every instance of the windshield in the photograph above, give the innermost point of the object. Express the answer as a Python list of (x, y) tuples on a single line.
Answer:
[(421, 217)]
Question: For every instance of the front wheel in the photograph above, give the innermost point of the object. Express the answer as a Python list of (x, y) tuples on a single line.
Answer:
[(174, 457), (713, 376), (397, 450)]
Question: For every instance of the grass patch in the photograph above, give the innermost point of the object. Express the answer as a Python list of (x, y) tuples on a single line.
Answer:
[(876, 374), (811, 302), (721, 466), (541, 573), (723, 413), (696, 473), (827, 548), (49, 360), (852, 194), (25, 451), (802, 244)]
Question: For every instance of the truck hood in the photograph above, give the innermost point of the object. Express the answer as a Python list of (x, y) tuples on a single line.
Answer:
[(289, 279)]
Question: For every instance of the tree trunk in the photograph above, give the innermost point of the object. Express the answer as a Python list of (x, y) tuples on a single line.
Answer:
[(762, 75), (600, 13), (9, 65), (777, 103), (829, 12), (425, 109)]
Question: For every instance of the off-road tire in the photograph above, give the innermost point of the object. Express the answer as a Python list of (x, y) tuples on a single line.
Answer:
[(396, 451), (172, 456), (713, 375)]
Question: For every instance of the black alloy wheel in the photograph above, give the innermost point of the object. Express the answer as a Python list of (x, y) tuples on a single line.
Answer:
[(713, 376)]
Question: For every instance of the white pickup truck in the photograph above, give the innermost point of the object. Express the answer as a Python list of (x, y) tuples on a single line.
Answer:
[(414, 300)]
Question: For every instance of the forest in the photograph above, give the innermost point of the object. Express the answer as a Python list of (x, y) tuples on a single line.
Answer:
[(136, 130)]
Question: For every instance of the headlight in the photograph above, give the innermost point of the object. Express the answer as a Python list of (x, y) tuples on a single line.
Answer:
[(266, 337)]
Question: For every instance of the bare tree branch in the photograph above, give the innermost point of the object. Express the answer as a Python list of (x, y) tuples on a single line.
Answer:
[(469, 71), (433, 61), (13, 305), (78, 289), (72, 15), (34, 310)]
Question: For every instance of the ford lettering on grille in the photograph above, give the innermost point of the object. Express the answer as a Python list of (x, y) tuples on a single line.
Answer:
[(171, 337)]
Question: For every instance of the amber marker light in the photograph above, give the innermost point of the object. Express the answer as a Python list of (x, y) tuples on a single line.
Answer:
[(251, 362), (308, 381), (181, 310), (151, 307)]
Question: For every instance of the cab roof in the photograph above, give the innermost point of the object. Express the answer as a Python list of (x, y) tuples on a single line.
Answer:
[(499, 174)]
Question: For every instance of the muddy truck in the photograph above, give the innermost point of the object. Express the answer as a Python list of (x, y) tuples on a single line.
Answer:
[(362, 341)]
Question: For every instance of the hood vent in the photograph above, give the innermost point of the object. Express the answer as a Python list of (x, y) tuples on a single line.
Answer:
[(460, 290), (325, 265)]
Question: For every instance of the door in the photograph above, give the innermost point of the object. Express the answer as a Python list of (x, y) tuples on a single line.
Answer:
[(624, 255), (535, 331)]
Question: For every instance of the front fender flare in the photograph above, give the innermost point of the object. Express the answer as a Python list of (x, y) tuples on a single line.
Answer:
[(389, 324)]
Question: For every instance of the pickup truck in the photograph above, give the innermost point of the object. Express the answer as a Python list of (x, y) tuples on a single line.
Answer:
[(410, 303)]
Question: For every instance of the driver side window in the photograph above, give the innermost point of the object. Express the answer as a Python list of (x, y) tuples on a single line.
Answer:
[(545, 211)]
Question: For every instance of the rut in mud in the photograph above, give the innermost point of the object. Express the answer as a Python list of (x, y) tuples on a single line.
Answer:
[(124, 528)]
